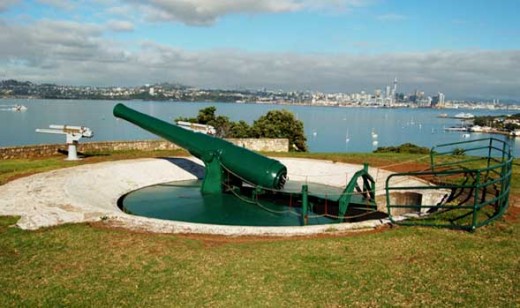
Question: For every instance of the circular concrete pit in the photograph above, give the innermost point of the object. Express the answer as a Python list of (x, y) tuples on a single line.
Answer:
[(91, 192)]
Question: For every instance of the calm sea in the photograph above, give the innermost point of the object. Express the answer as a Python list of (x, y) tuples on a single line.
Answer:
[(328, 129)]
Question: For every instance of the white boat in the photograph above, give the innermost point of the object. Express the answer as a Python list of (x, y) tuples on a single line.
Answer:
[(19, 108), (463, 115), (13, 107), (479, 129), (515, 133), (457, 128)]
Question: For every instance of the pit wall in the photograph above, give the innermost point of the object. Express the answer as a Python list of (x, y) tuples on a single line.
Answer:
[(44, 150)]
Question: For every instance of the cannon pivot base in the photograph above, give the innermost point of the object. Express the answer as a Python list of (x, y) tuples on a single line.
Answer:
[(213, 176)]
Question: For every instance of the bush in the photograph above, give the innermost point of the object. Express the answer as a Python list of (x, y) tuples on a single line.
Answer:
[(458, 152), (281, 124), (275, 124), (404, 148)]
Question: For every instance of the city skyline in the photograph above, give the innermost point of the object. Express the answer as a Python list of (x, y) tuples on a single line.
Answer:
[(467, 49), (391, 97)]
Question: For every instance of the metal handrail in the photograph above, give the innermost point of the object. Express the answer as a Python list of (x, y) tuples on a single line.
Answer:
[(489, 186)]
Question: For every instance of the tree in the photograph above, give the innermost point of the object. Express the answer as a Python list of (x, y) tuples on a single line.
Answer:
[(511, 127), (275, 124), (458, 152), (222, 125), (281, 124), (206, 115), (239, 129)]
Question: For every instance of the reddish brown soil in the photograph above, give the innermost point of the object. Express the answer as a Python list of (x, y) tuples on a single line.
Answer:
[(210, 240), (407, 167), (513, 212)]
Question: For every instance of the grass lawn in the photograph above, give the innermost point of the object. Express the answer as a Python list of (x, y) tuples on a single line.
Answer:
[(97, 265)]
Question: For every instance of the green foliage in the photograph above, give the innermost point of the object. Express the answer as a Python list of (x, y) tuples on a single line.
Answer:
[(484, 121), (497, 122), (239, 129), (281, 124), (275, 124), (458, 152), (511, 126), (404, 148), (206, 115)]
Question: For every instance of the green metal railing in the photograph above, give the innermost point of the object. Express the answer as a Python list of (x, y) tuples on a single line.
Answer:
[(466, 191)]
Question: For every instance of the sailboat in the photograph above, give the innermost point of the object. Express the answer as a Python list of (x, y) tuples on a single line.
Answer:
[(19, 108), (13, 107)]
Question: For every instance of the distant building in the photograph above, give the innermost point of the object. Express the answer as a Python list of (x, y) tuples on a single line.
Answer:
[(441, 98), (394, 89), (438, 100)]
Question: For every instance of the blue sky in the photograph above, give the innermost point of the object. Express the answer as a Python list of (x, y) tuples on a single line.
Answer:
[(462, 48)]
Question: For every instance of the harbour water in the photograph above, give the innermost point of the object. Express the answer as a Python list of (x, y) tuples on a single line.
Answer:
[(328, 129)]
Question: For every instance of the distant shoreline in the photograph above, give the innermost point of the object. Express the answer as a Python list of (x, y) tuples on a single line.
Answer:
[(512, 107)]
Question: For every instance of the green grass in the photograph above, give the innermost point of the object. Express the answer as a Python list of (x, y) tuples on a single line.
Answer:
[(15, 168), (92, 266), (96, 265)]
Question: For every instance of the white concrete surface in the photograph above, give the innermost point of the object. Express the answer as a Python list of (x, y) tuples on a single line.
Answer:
[(90, 193)]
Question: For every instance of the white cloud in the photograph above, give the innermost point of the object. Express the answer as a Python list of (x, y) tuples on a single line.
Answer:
[(75, 53), (61, 4), (120, 26), (5, 4), (207, 12)]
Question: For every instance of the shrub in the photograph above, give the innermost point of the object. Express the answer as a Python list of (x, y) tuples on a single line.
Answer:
[(404, 148)]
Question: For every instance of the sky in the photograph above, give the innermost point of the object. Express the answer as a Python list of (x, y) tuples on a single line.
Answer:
[(462, 48)]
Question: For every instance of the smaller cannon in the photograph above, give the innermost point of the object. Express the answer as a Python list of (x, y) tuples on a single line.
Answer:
[(225, 163), (196, 127), (73, 133)]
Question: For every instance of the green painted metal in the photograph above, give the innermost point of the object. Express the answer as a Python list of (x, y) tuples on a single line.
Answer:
[(367, 193), (476, 195), (228, 167), (182, 201), (218, 155), (305, 205), (213, 177)]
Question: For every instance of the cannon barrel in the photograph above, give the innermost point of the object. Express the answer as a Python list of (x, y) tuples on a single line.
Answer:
[(243, 163)]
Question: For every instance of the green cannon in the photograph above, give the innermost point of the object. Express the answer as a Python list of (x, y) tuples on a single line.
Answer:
[(223, 160)]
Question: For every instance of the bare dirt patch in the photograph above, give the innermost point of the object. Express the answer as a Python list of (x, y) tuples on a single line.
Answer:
[(212, 240), (406, 167), (513, 212)]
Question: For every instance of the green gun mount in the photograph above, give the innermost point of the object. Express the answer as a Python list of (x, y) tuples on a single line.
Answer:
[(223, 160)]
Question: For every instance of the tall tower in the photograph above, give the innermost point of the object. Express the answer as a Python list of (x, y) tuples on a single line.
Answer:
[(394, 89)]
